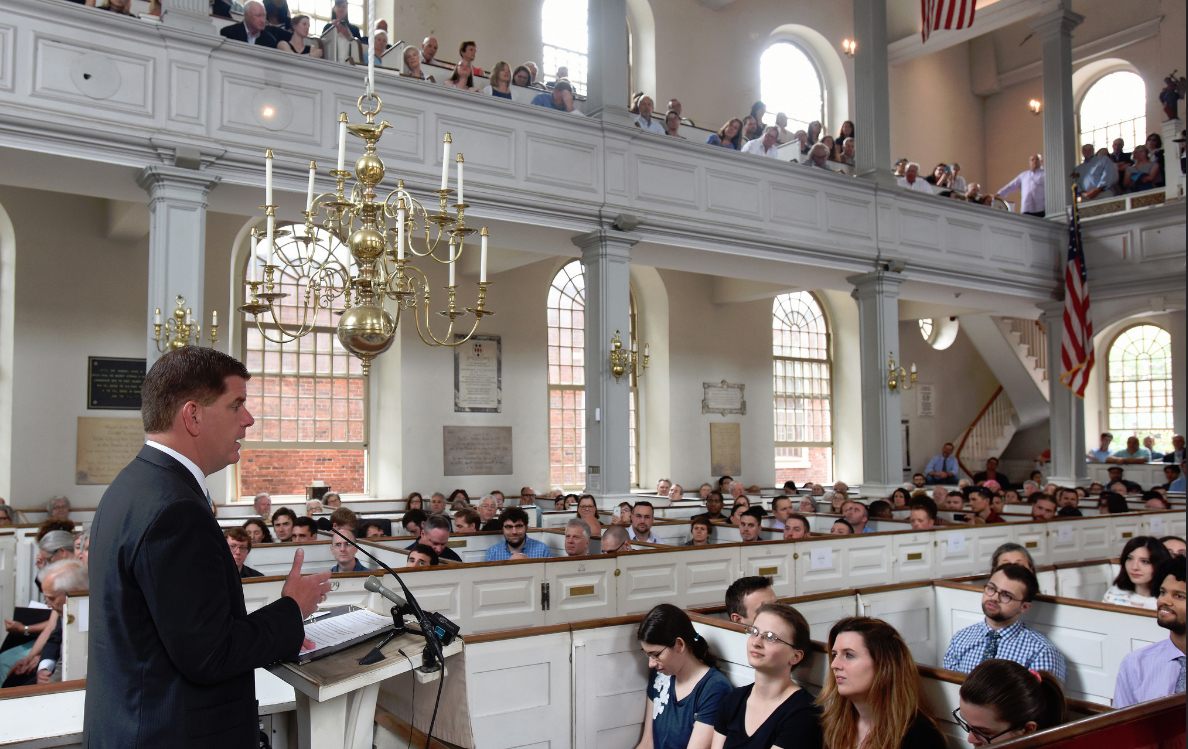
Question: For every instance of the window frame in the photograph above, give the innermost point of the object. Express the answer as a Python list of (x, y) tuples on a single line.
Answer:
[(1080, 101), (816, 65), (1109, 380), (828, 362), (580, 85)]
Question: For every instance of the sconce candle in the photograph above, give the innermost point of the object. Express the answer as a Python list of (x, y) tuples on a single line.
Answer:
[(483, 257), (445, 162)]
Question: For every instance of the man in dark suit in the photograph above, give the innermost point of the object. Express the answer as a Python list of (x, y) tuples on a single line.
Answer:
[(172, 647), (1177, 453), (253, 29)]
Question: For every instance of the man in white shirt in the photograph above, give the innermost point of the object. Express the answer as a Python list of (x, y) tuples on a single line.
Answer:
[(911, 179), (765, 146), (644, 121), (1031, 183), (429, 51)]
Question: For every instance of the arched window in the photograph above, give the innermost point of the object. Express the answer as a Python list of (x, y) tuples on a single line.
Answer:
[(1139, 394), (567, 381), (803, 388), (566, 41), (309, 398), (1114, 107), (789, 82), (319, 12)]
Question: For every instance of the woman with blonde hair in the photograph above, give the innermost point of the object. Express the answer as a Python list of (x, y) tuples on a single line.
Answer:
[(501, 79), (411, 67), (871, 697)]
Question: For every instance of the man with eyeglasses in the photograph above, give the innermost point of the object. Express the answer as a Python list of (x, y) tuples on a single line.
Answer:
[(345, 553), (1003, 634), (516, 544), (240, 544), (528, 500)]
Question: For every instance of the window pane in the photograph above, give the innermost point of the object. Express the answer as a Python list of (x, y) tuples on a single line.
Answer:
[(1115, 107), (566, 41), (802, 404), (1139, 385), (789, 83)]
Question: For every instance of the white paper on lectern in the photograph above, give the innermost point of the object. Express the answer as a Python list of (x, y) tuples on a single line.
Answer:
[(1064, 534), (821, 558), (349, 626), (956, 543)]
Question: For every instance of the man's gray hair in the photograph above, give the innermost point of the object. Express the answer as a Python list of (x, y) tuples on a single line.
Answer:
[(436, 523), (49, 506), (55, 541), (484, 499), (911, 164), (435, 495), (262, 495), (67, 574), (581, 524)]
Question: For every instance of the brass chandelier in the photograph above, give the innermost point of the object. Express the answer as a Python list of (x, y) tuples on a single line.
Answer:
[(377, 281)]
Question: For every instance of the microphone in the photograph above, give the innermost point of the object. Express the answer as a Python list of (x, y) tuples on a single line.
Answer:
[(375, 586)]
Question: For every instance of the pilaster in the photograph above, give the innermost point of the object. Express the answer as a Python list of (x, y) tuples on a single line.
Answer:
[(1055, 28), (192, 16), (1066, 419), (607, 81), (872, 101)]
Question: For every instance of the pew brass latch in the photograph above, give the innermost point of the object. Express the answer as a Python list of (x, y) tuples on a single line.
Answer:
[(544, 596)]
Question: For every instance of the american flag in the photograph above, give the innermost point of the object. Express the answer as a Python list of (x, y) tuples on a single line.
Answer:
[(1076, 353), (946, 14)]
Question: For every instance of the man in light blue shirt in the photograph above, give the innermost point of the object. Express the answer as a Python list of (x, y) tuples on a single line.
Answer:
[(856, 515), (1134, 453), (1100, 454), (1097, 174), (1158, 670), (560, 99), (942, 469), (516, 544), (644, 121)]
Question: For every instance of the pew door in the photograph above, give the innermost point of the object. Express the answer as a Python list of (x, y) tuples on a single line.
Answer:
[(686, 577), (773, 561), (1166, 523), (837, 562), (1076, 539), (611, 688), (520, 692), (1034, 538), (580, 589), (912, 611), (914, 557)]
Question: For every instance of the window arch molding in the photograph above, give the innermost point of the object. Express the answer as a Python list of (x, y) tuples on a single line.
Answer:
[(1085, 79), (834, 83)]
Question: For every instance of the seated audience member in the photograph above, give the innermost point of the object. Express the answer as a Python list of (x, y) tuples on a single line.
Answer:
[(1177, 453), (1149, 443), (45, 657), (262, 504), (847, 131), (1133, 453), (1000, 700), (684, 689), (561, 503), (880, 509), (467, 51), (900, 497), (55, 545), (750, 129), (369, 529), (1153, 500), (1158, 670), (487, 510), (900, 165), (462, 78), (713, 506), (644, 120), (58, 508), (942, 469), (856, 515), (82, 546), (871, 696), (1064, 497), (1003, 634), (774, 711), (1012, 497), (1031, 184), (435, 533), (781, 507), (304, 529), (429, 51), (282, 523), (781, 123), (749, 524), (414, 502), (836, 501), (1101, 454), (615, 539), (577, 538), (531, 66), (992, 474), (849, 154), (704, 490), (6, 517), (340, 23), (923, 514), (1069, 512), (516, 544), (1175, 545), (314, 507), (700, 530), (344, 518), (376, 47), (663, 487), (1143, 174), (1115, 473), (841, 528), (745, 596), (724, 484), (830, 147), (1030, 487), (1134, 585), (257, 531), (560, 99), (740, 506), (764, 146), (501, 79), (911, 179), (413, 521), (954, 501), (467, 521), (1044, 508), (818, 155), (1112, 503), (979, 502), (672, 124), (421, 556), (814, 132), (587, 510), (331, 501), (806, 505), (796, 526), (411, 64), (123, 7), (521, 76), (345, 553), (643, 516), (622, 515), (253, 29), (277, 13), (240, 544), (1096, 174), (1011, 553), (939, 495)]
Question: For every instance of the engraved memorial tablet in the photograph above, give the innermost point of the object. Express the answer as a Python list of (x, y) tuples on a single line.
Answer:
[(478, 375), (114, 383), (723, 398), (477, 451), (105, 446), (725, 449)]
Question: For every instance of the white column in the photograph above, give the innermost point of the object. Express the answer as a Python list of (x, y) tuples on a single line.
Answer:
[(1055, 28), (1066, 414), (606, 258), (878, 336), (192, 16), (177, 242), (607, 93), (1171, 155), (872, 101)]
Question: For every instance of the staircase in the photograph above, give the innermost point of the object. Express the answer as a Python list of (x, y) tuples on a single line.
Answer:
[(1031, 345), (989, 434), (1015, 350)]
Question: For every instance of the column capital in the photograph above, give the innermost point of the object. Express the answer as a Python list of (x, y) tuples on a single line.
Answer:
[(1051, 310), (1059, 21), (160, 180), (611, 241), (876, 282)]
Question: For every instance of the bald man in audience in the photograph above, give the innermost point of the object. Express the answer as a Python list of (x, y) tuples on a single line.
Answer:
[(253, 29), (429, 51), (577, 538), (615, 539), (263, 505), (745, 596), (57, 580)]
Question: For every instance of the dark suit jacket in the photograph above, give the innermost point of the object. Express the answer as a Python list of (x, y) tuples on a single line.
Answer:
[(1171, 457), (172, 647), (238, 32)]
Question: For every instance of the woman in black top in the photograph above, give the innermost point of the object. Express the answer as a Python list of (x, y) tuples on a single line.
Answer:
[(774, 711), (871, 698), (338, 17)]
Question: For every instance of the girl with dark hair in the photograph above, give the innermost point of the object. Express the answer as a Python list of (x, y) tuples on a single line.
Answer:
[(871, 698), (257, 531), (454, 495), (730, 136), (847, 131), (774, 711), (1140, 558), (758, 110), (814, 132), (1001, 700), (741, 505), (684, 688)]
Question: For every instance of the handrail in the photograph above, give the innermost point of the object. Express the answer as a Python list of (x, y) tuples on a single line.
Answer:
[(970, 428)]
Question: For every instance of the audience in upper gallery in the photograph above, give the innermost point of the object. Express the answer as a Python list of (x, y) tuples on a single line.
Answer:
[(467, 51), (991, 473), (369, 529), (773, 711), (421, 556), (871, 696), (299, 42), (123, 7), (467, 521), (344, 553), (429, 51), (257, 530), (781, 123), (531, 66), (923, 514), (1096, 174), (749, 524), (6, 516), (340, 23), (58, 508), (435, 533), (559, 99), (846, 131), (516, 544), (684, 689), (1135, 585), (1158, 670), (304, 529), (644, 119), (1031, 183), (1011, 553), (1003, 634), (1177, 453), (1149, 443), (501, 79), (841, 528), (1101, 454), (911, 180), (746, 596), (577, 538), (413, 521), (462, 78), (277, 13), (1000, 700), (814, 133), (750, 129), (942, 469), (44, 658), (827, 141), (758, 112), (643, 516), (818, 155), (521, 76), (377, 46), (797, 526), (848, 152), (856, 515), (1043, 508), (615, 539), (1143, 174), (1175, 545), (240, 544), (672, 124)]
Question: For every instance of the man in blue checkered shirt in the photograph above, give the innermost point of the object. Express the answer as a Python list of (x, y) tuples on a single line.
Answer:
[(516, 543), (1002, 634)]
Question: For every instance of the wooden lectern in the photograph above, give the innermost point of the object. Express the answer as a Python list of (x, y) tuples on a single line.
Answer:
[(336, 696)]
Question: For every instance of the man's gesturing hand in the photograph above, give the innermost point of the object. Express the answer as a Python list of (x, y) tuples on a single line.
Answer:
[(307, 591)]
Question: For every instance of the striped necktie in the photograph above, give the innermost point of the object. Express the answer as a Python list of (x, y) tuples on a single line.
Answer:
[(1180, 678)]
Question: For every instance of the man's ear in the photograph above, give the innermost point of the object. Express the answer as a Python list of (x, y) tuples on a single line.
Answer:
[(1023, 609), (736, 619), (191, 416)]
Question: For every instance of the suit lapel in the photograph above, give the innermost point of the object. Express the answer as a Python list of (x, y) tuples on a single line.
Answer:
[(169, 463)]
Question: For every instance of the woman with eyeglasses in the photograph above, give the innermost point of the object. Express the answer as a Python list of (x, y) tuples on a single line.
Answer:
[(1001, 700), (1132, 587), (684, 688), (871, 698)]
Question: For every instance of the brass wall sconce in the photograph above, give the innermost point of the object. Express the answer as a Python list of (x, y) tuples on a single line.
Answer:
[(623, 361), (1035, 105), (178, 329), (897, 378), (849, 46)]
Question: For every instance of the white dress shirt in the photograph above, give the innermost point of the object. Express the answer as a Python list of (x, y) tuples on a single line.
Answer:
[(1032, 185), (190, 465), (652, 126), (920, 185), (756, 147)]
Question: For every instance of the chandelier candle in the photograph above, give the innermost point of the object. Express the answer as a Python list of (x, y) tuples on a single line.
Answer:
[(342, 123), (483, 258), (445, 162), (309, 191), (461, 161), (401, 217)]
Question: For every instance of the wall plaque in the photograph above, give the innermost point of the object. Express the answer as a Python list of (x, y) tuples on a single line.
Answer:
[(725, 449), (477, 451), (723, 398), (105, 446), (925, 401), (114, 384), (478, 375)]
